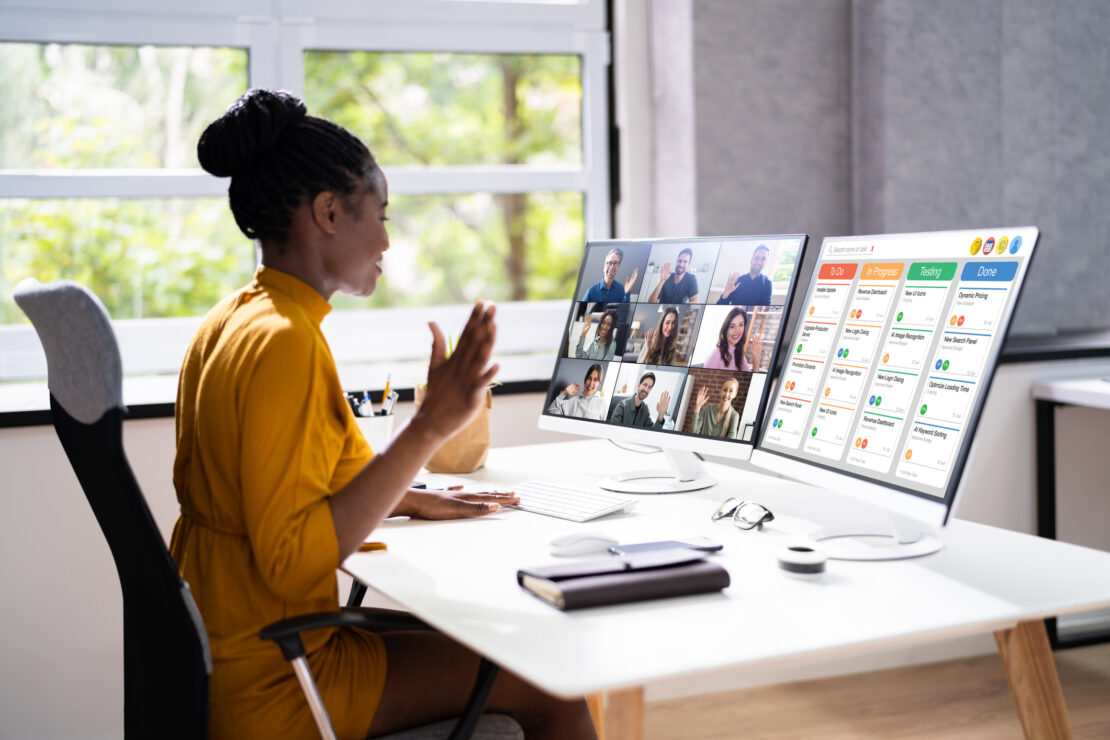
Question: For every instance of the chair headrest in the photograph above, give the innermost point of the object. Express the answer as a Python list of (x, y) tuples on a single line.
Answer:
[(83, 366)]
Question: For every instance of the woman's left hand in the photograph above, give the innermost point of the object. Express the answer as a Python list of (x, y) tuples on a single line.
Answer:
[(454, 503)]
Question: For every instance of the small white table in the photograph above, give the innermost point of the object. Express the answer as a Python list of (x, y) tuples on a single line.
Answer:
[(459, 576), (1049, 396)]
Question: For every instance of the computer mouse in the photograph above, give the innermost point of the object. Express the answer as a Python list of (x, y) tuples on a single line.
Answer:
[(582, 542)]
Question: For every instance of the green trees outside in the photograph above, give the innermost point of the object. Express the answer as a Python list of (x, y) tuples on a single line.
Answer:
[(113, 107)]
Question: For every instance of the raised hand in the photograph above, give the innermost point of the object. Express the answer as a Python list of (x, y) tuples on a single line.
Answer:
[(649, 340), (629, 282), (457, 384), (731, 283), (664, 403), (571, 389), (585, 327), (665, 272), (755, 344), (702, 399)]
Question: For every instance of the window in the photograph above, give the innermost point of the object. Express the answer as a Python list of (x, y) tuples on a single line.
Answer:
[(489, 119)]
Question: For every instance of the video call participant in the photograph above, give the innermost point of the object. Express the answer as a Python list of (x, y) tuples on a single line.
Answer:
[(682, 287), (752, 288), (728, 353), (659, 345), (633, 412), (604, 346), (276, 482), (588, 405), (716, 419), (607, 290)]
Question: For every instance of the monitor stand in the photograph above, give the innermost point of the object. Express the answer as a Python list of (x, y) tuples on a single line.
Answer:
[(895, 539), (686, 473)]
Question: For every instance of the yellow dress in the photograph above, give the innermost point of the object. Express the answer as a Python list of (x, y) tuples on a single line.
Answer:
[(264, 437)]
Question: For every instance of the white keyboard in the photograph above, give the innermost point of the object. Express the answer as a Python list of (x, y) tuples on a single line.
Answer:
[(567, 502)]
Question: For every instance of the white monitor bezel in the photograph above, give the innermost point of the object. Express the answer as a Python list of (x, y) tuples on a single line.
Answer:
[(733, 449), (927, 509)]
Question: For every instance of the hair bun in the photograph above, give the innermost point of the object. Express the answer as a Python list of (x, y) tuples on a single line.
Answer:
[(249, 128)]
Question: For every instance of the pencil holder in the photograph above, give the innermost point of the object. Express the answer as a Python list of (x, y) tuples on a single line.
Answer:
[(378, 430)]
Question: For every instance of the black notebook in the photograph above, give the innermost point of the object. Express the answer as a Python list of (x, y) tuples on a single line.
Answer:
[(618, 580)]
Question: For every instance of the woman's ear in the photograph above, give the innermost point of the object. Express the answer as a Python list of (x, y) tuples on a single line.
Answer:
[(324, 207)]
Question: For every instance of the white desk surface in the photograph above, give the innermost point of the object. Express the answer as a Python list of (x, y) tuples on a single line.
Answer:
[(1092, 392), (460, 576)]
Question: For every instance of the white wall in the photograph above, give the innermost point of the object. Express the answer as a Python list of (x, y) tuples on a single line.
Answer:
[(60, 627)]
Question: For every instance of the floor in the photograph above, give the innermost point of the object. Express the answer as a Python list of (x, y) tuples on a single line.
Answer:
[(967, 698)]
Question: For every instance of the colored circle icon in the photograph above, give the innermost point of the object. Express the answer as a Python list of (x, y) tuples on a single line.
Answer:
[(952, 321), (857, 441), (909, 454), (775, 424), (988, 245), (845, 352), (780, 423), (864, 444), (1015, 245), (811, 310), (827, 392), (840, 352), (938, 365), (924, 408), (1003, 243), (871, 401), (886, 358), (960, 321), (975, 245), (899, 315), (879, 401), (814, 432), (799, 348), (944, 366)]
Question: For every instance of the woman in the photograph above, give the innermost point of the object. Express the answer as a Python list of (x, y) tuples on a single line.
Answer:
[(716, 419), (276, 483), (729, 352), (659, 345), (589, 405), (604, 346)]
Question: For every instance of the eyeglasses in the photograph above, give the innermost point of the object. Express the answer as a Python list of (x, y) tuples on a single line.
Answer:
[(745, 514), (610, 263)]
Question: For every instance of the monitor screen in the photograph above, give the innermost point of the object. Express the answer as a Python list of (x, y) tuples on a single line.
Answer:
[(897, 341), (670, 341)]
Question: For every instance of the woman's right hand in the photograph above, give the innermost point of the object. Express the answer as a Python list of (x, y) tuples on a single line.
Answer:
[(649, 340), (585, 327), (457, 384), (571, 390), (702, 399)]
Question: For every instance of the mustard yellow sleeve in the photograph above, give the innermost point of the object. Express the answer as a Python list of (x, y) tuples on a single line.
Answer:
[(290, 444)]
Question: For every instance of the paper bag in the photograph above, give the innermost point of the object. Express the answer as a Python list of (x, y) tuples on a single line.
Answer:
[(467, 450)]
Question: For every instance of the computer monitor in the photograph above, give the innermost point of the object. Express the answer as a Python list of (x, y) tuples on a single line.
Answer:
[(669, 343), (883, 382)]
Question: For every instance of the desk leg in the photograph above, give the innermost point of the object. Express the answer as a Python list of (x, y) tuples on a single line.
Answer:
[(596, 705), (1034, 684), (624, 715)]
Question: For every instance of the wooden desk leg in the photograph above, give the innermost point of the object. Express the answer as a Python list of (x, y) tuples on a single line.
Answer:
[(596, 704), (624, 715), (1034, 684)]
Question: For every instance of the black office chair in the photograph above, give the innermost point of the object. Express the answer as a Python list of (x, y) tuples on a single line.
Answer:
[(165, 651)]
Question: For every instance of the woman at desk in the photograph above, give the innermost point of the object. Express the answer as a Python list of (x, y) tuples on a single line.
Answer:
[(276, 483)]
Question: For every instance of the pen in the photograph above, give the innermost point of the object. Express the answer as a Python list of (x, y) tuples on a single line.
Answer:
[(385, 393), (387, 404), (371, 546)]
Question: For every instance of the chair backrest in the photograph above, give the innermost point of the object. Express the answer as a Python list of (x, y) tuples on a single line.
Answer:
[(165, 646)]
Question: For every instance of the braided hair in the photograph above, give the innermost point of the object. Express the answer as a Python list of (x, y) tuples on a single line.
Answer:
[(278, 156)]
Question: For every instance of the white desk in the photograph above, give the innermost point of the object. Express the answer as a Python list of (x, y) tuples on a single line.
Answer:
[(460, 577)]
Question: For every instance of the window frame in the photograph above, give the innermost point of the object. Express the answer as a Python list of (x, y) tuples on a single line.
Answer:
[(276, 38)]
